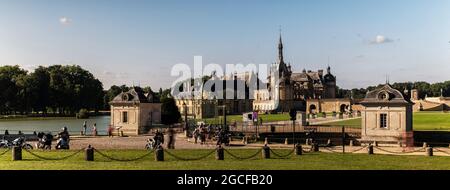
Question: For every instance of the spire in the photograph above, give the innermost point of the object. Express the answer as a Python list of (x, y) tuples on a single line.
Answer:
[(280, 49)]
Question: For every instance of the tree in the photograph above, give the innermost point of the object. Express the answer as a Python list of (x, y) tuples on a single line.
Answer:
[(169, 111)]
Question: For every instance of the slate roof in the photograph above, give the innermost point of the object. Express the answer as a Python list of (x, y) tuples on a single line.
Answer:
[(134, 95), (385, 95)]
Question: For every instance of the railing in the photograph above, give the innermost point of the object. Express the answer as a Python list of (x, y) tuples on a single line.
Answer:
[(285, 128)]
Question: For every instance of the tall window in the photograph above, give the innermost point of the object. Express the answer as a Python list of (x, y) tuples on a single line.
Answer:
[(383, 120), (125, 117)]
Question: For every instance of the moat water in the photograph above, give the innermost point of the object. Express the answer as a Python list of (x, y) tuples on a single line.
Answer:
[(28, 126)]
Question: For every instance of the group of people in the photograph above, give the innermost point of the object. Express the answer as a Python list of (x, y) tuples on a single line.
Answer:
[(158, 139), (45, 139), (94, 131), (207, 132)]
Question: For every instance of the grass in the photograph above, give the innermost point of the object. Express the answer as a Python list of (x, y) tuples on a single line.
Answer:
[(308, 161), (349, 122), (422, 121), (238, 118)]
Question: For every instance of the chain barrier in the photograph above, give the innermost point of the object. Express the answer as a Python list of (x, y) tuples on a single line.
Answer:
[(439, 150), (4, 152), (331, 150), (403, 152), (359, 149), (282, 156), (47, 158), (306, 150), (190, 159), (243, 158), (123, 160)]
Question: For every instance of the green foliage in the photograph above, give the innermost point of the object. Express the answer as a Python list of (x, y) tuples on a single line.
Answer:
[(63, 89), (83, 114), (169, 111), (424, 88), (422, 121)]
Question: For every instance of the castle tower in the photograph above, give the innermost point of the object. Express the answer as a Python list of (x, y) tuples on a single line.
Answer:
[(330, 84)]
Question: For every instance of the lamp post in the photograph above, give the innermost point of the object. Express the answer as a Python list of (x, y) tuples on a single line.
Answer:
[(186, 128), (293, 115), (225, 116)]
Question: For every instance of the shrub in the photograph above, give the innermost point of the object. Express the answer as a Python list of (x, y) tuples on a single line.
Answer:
[(83, 114)]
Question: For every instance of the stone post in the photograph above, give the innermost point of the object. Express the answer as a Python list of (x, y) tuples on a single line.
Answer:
[(351, 143), (370, 149), (429, 151), (286, 142), (266, 152), (89, 153), (298, 149), (424, 144), (159, 154), (219, 153), (16, 153)]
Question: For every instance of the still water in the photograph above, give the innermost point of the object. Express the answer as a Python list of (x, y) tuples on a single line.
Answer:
[(53, 125)]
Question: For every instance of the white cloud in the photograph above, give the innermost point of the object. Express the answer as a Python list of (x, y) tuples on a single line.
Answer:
[(65, 20), (380, 39)]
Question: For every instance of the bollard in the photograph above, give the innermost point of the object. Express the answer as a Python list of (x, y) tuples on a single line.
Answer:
[(16, 153), (315, 147), (266, 152), (329, 142), (89, 156), (424, 144), (298, 149), (266, 141), (429, 151), (286, 141), (370, 149), (351, 142), (245, 140), (159, 153), (219, 153)]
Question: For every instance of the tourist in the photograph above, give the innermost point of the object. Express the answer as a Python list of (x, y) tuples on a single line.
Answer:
[(195, 135), (110, 129), (171, 139), (94, 129), (84, 127)]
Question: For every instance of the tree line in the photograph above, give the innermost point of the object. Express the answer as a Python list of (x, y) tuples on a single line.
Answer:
[(424, 89), (54, 89)]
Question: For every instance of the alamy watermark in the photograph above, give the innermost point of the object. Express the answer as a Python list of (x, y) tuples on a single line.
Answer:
[(236, 81)]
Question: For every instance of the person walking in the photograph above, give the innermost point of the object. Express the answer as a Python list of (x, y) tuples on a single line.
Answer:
[(171, 139), (94, 129), (84, 127), (110, 130)]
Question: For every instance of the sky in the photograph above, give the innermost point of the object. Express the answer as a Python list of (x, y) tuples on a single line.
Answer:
[(138, 42)]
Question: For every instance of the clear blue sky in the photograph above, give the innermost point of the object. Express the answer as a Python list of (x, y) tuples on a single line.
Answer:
[(126, 42)]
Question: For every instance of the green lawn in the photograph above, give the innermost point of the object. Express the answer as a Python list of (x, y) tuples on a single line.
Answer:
[(308, 161), (238, 118), (422, 121)]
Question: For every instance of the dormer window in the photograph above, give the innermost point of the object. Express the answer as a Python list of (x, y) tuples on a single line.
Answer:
[(383, 96)]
